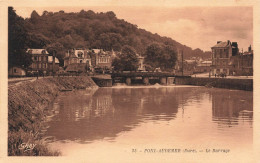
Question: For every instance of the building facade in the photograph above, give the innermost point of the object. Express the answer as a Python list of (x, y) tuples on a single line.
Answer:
[(42, 62), (203, 66), (221, 54), (227, 60), (77, 56), (101, 59), (16, 71), (242, 64)]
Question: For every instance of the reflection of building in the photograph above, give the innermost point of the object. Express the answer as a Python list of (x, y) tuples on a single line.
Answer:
[(102, 102), (228, 105)]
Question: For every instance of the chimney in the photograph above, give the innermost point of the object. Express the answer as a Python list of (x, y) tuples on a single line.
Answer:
[(249, 49), (234, 44), (228, 42)]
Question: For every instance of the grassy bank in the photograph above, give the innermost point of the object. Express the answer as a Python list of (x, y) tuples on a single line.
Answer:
[(26, 104)]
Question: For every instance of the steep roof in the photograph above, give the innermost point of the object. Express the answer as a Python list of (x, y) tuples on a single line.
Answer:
[(97, 50), (37, 51), (221, 45), (50, 59), (207, 62)]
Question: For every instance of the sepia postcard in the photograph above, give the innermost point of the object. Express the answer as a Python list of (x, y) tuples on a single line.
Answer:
[(129, 81)]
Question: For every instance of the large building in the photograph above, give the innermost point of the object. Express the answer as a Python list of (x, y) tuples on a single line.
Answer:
[(77, 56), (42, 62), (227, 60), (221, 53), (94, 58), (102, 59), (242, 64)]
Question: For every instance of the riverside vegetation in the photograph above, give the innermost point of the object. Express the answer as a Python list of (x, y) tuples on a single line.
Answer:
[(26, 104)]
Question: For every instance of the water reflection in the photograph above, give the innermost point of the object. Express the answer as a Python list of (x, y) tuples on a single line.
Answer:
[(89, 115), (231, 107)]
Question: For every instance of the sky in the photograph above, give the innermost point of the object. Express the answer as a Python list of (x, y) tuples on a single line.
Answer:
[(196, 27)]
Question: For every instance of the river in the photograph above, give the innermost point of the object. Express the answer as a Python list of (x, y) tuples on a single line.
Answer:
[(152, 123)]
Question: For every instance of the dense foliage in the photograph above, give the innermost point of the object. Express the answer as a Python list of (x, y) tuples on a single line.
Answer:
[(18, 41), (127, 60), (63, 31), (163, 56)]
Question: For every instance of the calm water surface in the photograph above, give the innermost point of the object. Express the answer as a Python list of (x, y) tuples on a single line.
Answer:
[(113, 121)]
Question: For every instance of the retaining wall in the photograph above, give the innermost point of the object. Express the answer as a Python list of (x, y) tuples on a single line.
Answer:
[(240, 84)]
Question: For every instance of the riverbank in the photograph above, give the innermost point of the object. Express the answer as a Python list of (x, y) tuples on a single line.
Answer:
[(227, 83), (26, 104)]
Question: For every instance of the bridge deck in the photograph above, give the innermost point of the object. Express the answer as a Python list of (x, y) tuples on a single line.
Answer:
[(143, 74)]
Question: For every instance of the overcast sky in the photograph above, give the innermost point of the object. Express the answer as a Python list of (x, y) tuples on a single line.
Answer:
[(196, 27)]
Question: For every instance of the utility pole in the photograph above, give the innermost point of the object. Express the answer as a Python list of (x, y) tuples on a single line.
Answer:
[(53, 62), (182, 62)]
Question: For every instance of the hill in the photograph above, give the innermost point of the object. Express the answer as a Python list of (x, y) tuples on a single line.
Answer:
[(93, 30)]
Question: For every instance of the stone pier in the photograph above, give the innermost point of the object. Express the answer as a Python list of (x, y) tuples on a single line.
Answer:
[(170, 80), (146, 80), (163, 80), (128, 81)]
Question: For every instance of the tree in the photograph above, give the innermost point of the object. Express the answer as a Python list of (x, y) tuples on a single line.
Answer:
[(17, 41), (152, 55), (127, 60), (37, 41), (160, 55), (34, 17)]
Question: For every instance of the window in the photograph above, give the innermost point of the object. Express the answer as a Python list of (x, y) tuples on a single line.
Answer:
[(39, 58), (35, 58), (80, 54), (15, 70)]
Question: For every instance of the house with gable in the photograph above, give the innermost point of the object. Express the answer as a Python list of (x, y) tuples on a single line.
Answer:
[(42, 61), (221, 53)]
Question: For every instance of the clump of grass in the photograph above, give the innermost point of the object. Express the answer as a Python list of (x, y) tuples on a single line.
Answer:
[(28, 144)]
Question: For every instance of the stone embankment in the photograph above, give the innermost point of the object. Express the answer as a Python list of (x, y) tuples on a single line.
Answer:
[(26, 104), (228, 83)]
